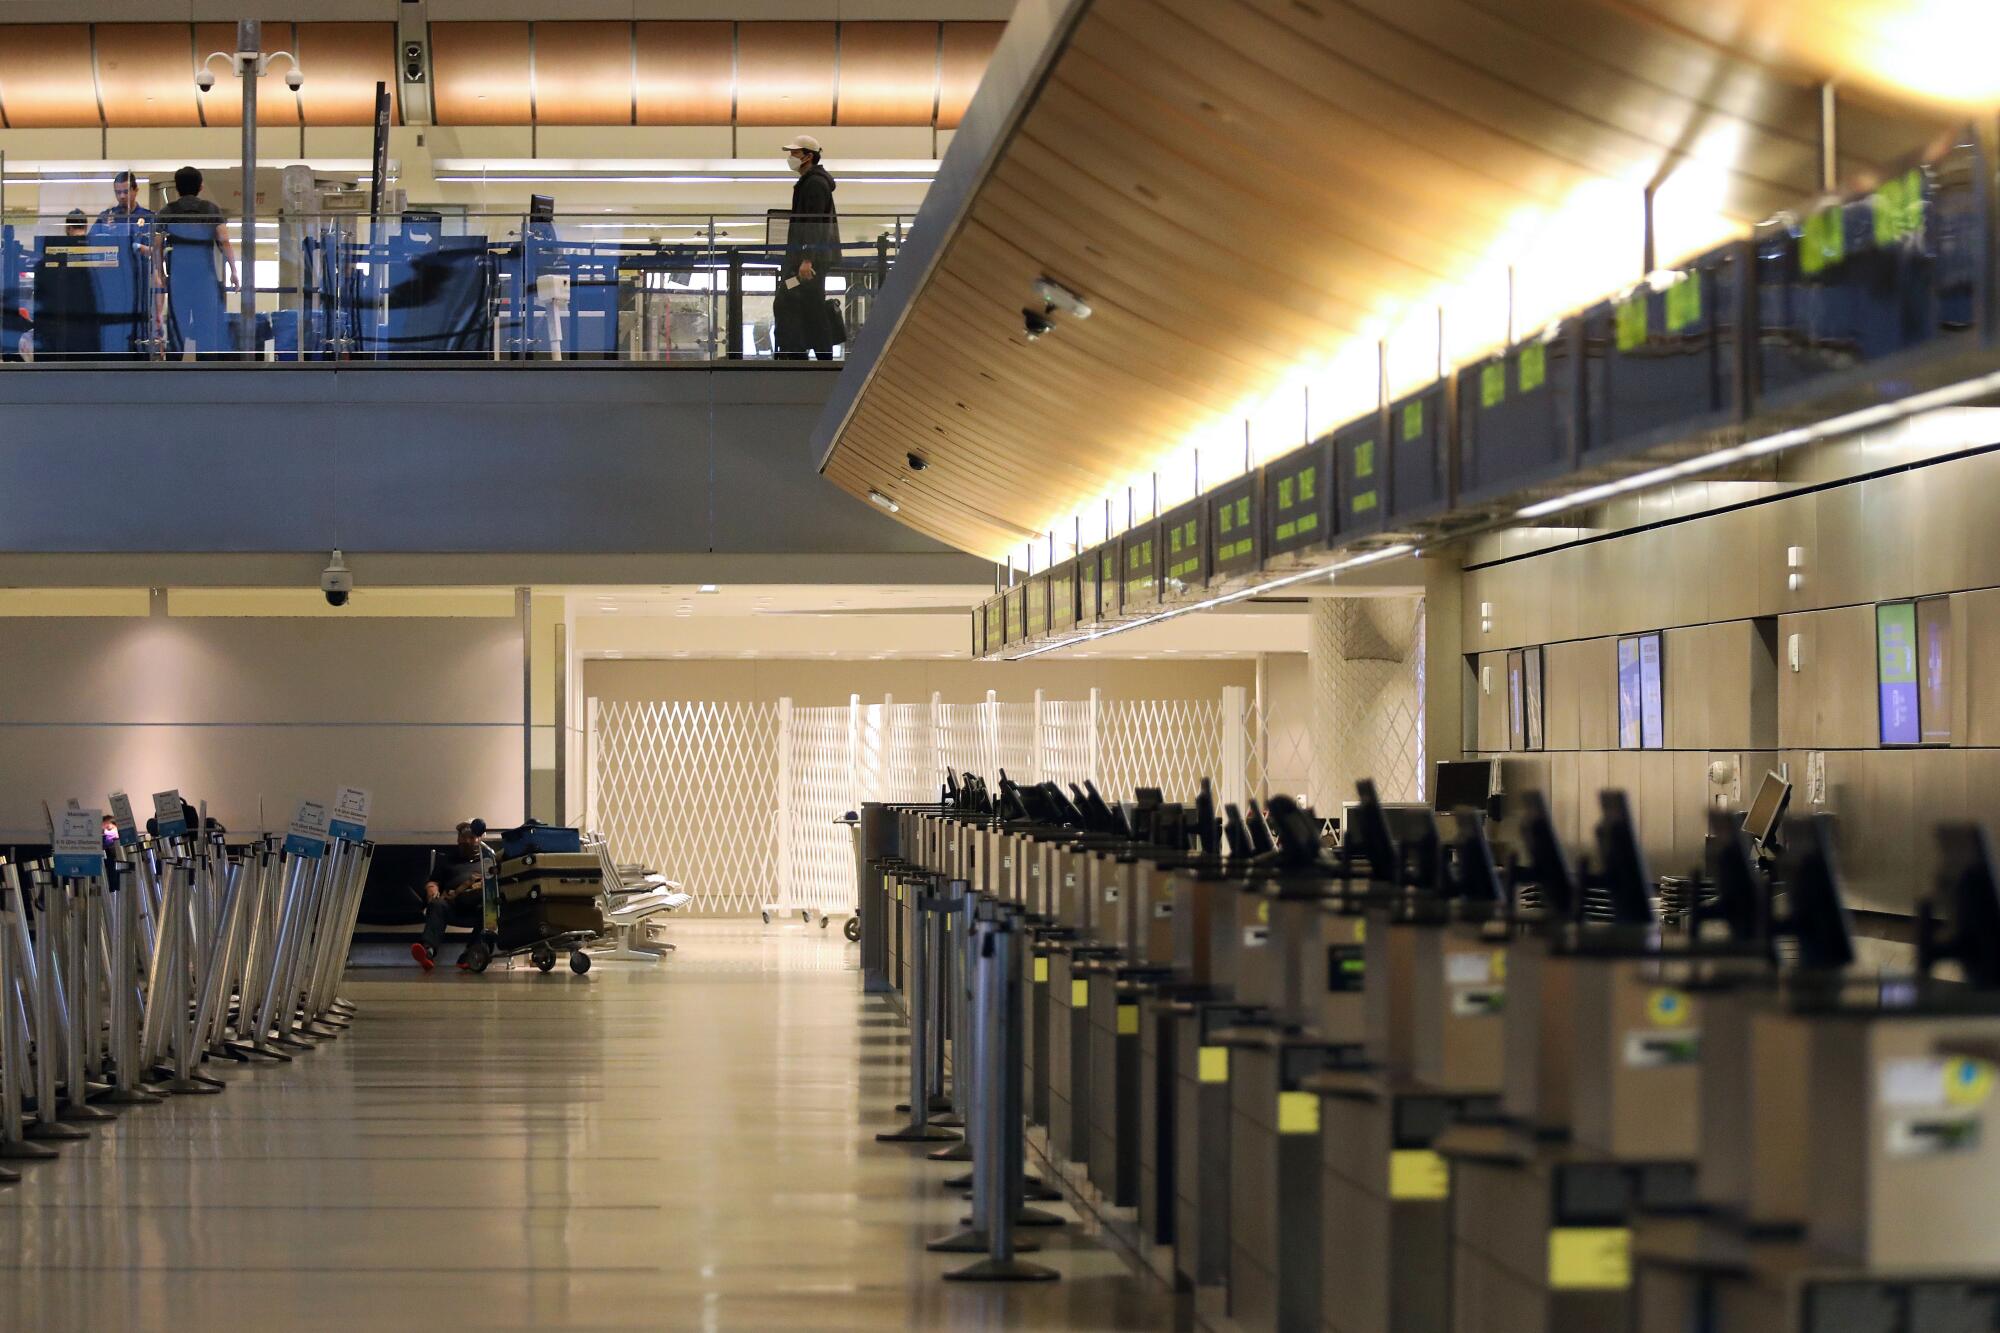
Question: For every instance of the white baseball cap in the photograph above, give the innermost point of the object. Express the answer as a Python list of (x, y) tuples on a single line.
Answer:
[(803, 143)]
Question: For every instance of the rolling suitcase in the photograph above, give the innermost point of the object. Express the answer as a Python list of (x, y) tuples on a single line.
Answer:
[(545, 895)]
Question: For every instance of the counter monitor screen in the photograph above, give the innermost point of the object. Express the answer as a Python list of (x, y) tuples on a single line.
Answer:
[(1232, 518), (1462, 784), (1641, 701), (1297, 488), (1767, 809)]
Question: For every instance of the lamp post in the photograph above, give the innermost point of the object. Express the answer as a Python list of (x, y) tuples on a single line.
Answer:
[(250, 63)]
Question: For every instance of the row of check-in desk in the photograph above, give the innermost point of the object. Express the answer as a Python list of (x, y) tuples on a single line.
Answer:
[(1407, 1086)]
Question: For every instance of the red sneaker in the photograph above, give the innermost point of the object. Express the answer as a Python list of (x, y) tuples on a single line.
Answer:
[(422, 955)]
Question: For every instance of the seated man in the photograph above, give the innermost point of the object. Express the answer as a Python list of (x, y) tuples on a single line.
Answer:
[(452, 895)]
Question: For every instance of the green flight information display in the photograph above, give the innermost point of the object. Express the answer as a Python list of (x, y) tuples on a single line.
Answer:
[(1298, 496), (1017, 613), (1419, 463), (1184, 535), (1038, 606), (1232, 518), (994, 630), (1062, 597), (1141, 563), (1363, 461), (1110, 578)]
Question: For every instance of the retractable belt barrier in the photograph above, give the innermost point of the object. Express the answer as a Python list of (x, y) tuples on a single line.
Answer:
[(118, 987)]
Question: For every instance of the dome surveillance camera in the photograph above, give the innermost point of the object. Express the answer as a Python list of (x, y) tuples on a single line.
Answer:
[(295, 80), (205, 80), (335, 581), (916, 461), (1034, 324)]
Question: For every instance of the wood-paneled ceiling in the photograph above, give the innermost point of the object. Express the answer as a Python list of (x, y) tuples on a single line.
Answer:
[(119, 75), (1237, 186)]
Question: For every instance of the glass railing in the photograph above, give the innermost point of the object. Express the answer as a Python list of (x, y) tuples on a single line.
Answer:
[(345, 287)]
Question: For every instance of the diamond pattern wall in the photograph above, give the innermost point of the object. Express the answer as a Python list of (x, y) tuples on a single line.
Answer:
[(1365, 660)]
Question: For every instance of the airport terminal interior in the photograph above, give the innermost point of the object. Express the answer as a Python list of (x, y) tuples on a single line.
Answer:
[(1237, 666)]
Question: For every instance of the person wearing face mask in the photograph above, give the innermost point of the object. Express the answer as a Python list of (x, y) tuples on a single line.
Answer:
[(812, 242)]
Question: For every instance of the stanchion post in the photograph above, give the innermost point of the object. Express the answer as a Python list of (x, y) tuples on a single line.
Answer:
[(919, 1129)]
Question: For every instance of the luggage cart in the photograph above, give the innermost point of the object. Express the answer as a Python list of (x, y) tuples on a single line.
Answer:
[(534, 923)]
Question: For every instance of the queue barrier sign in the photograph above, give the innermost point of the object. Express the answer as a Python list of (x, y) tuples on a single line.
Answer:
[(121, 815), (79, 843), (349, 821), (167, 813), (307, 835)]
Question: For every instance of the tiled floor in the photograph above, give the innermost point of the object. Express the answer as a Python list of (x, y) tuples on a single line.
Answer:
[(689, 1146)]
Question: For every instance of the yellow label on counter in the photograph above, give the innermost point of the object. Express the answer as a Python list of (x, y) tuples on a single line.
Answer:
[(1212, 1065), (1590, 1258), (1128, 1020), (1967, 1082), (1668, 1008), (1418, 1174), (1298, 1113), (1360, 931), (1263, 913), (1041, 969), (1079, 994)]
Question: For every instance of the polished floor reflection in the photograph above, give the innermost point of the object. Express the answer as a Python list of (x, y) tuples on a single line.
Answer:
[(688, 1146)]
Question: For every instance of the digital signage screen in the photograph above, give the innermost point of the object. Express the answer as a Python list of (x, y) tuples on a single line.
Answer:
[(1517, 707), (1660, 362), (1531, 691), (1141, 559), (1017, 613), (1517, 417), (1420, 481), (1232, 519), (1110, 579), (1298, 489), (1184, 534), (1641, 695), (1062, 597), (1363, 489), (996, 625), (1913, 671), (1038, 606)]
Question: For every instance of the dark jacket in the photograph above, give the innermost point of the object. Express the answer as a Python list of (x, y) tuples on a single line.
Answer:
[(815, 228)]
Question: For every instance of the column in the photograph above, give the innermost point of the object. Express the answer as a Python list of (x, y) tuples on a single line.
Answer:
[(1365, 661)]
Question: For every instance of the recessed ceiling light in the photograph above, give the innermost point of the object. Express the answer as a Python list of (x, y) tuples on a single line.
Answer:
[(708, 587)]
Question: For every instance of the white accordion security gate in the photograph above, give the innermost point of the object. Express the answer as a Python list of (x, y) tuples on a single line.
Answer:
[(741, 802)]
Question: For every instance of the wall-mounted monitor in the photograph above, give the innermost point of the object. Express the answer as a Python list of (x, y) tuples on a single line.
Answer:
[(1913, 671), (1298, 495), (1139, 564), (1517, 704), (1062, 597), (1420, 457), (1232, 523), (1661, 363), (1641, 693), (1038, 606), (1517, 417), (1184, 561), (1531, 694)]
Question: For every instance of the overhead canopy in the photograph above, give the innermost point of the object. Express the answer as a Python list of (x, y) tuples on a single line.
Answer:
[(1250, 194)]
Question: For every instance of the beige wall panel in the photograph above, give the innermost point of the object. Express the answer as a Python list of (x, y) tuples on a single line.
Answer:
[(1844, 670), (1888, 793), (479, 73), (1593, 775), (784, 73), (1844, 552), (1597, 699), (1981, 667), (1982, 787), (1653, 808), (1739, 583), (1687, 572), (45, 77), (1690, 657), (1939, 794), (821, 684), (888, 73), (1563, 571), (145, 73), (687, 73), (1738, 668), (1887, 539), (1943, 498), (1690, 797), (1785, 524), (1563, 667), (1563, 790), (583, 73), (1472, 589), (964, 50)]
